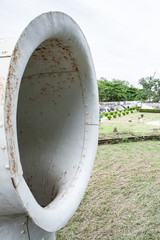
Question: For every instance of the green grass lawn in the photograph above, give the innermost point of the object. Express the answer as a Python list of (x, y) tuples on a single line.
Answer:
[(123, 197), (126, 128)]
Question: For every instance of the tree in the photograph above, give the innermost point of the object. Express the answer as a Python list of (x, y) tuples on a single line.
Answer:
[(116, 90), (121, 90), (156, 97), (151, 88), (147, 84)]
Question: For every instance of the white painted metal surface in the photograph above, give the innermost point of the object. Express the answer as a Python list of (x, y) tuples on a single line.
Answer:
[(48, 126)]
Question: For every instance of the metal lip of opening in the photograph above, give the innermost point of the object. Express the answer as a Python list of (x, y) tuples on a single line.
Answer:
[(46, 26)]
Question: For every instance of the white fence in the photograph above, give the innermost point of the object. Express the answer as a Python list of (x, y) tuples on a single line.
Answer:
[(150, 106), (113, 106)]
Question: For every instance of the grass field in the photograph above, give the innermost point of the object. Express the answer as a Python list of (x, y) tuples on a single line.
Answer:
[(123, 197), (126, 128)]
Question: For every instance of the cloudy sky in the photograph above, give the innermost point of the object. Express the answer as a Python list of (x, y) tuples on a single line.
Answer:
[(124, 35)]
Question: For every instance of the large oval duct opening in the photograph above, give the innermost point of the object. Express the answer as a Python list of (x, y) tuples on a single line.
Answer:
[(50, 120)]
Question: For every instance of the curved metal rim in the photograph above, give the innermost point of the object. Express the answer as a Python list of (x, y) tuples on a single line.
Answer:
[(47, 25)]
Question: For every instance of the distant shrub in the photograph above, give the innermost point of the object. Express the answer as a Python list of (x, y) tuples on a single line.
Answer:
[(114, 115), (123, 113), (127, 112), (116, 112), (100, 115), (131, 111), (109, 117), (99, 119), (119, 114), (106, 114), (111, 113), (137, 108), (120, 110)]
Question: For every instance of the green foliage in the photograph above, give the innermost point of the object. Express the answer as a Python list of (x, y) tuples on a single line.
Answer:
[(106, 114), (119, 114), (114, 115), (116, 90), (100, 115), (109, 117), (127, 112), (131, 111), (150, 110), (116, 112), (151, 88), (137, 108), (111, 113), (123, 113)]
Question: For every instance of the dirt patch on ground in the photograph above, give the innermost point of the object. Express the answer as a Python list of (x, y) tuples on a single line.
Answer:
[(129, 139), (154, 123)]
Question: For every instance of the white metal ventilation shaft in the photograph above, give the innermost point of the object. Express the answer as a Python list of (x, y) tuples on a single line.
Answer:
[(48, 126)]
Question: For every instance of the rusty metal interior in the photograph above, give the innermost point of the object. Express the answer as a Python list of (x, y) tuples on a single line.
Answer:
[(50, 120)]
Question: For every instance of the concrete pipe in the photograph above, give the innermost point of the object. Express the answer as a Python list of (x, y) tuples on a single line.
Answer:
[(48, 126)]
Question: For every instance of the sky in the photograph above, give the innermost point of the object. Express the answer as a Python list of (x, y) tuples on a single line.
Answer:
[(123, 35)]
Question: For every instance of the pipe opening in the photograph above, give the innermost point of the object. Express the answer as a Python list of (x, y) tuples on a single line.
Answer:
[(50, 120)]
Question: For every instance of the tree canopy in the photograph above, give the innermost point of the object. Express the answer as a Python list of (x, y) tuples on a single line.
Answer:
[(151, 88), (120, 90), (117, 90)]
